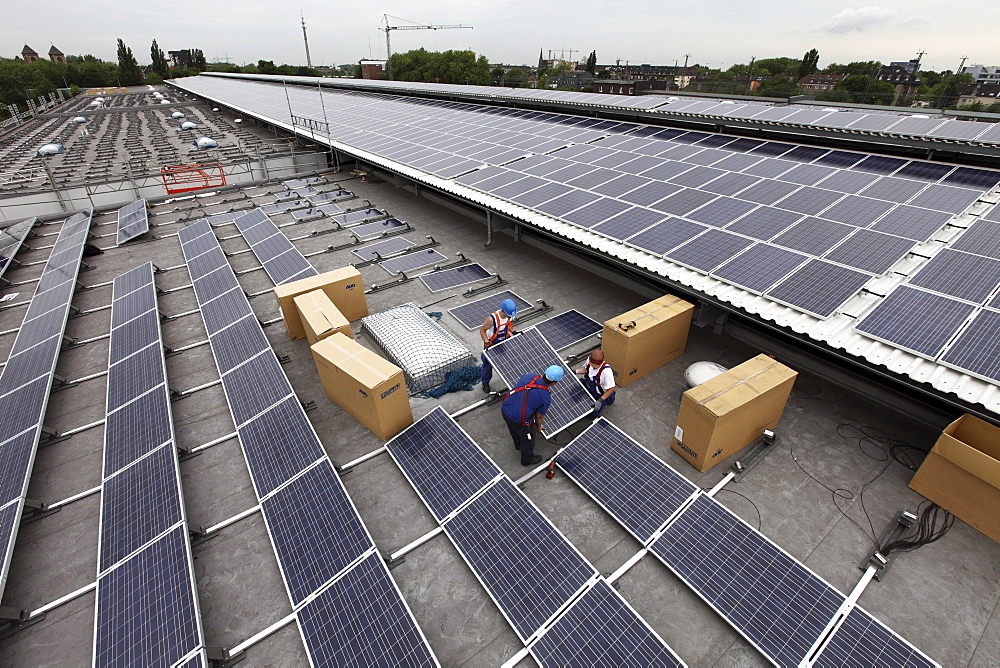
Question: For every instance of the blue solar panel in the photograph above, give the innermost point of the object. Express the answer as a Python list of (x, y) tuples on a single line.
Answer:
[(146, 607), (962, 275), (636, 487), (135, 375), (412, 261), (15, 456), (819, 287), (946, 198), (278, 445), (871, 251), (442, 462), (134, 336), (682, 202), (912, 222), (769, 597), (225, 310), (916, 320), (976, 350), (138, 504), (730, 183), (597, 211), (529, 352), (982, 238), (661, 237), (136, 429), (451, 278), (473, 314), (813, 236), (709, 250), (238, 342), (764, 223), (893, 189), (255, 386), (567, 328), (601, 629), (361, 620), (862, 640), (500, 532), (384, 248), (768, 192), (316, 531), (626, 224), (860, 211), (760, 267)]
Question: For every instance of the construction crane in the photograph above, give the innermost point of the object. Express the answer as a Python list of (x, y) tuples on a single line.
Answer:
[(387, 28)]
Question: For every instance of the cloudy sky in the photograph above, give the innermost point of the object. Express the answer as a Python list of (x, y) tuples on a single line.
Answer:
[(717, 33)]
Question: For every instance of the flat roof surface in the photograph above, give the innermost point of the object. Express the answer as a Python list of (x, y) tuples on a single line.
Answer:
[(943, 597)]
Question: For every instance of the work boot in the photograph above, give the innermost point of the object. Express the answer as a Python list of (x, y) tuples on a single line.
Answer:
[(534, 460), (486, 388)]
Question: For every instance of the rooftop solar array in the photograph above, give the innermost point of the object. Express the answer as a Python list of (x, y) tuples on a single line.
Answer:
[(147, 603), (132, 221), (473, 314), (27, 376), (11, 238), (282, 261), (316, 533), (784, 609), (497, 529), (387, 248), (529, 352), (919, 125), (832, 220)]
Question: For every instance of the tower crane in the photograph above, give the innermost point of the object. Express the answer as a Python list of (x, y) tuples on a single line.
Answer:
[(414, 26)]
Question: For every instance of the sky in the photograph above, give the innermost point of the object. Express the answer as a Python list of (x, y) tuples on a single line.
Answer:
[(716, 33)]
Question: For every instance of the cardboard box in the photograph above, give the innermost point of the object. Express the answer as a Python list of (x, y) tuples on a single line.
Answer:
[(321, 317), (646, 338), (370, 389), (962, 474), (731, 411), (343, 287)]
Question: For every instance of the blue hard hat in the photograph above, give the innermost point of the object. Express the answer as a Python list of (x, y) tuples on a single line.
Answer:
[(509, 307), (554, 373)]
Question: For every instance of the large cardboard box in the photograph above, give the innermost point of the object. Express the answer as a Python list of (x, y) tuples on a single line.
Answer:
[(646, 338), (370, 389), (731, 411), (343, 287), (320, 317), (962, 474)]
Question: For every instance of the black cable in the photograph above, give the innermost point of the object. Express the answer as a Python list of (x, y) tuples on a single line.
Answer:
[(759, 517)]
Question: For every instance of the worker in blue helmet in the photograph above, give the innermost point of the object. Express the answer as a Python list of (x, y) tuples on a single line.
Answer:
[(524, 409), (497, 327)]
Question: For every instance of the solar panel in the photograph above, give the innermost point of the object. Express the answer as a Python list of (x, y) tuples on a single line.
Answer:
[(768, 192), (601, 629), (975, 350), (566, 203), (498, 533), (132, 222), (596, 212), (962, 275), (806, 174), (282, 261), (871, 251), (567, 328), (918, 321), (776, 603), (893, 189), (844, 181), (729, 183), (661, 237), (860, 211), (863, 640), (813, 236), (529, 352), (266, 440), (135, 430), (147, 609), (442, 462), (361, 620), (452, 278), (376, 228), (412, 261), (764, 223), (626, 224), (969, 177), (315, 529), (631, 483), (682, 202), (709, 250), (649, 193), (819, 287), (760, 267), (473, 314), (946, 198), (981, 238), (912, 222), (11, 238)]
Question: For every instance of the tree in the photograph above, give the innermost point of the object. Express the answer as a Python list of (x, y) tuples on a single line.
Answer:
[(857, 68), (198, 61), (497, 76), (865, 90), (159, 60), (455, 67), (809, 63), (129, 73), (779, 86), (515, 78), (358, 72), (267, 67), (592, 63)]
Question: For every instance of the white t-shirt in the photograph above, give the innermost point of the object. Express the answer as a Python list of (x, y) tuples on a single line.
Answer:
[(607, 380)]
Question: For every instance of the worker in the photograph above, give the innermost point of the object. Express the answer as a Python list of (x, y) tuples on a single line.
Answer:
[(599, 380), (497, 327), (524, 409)]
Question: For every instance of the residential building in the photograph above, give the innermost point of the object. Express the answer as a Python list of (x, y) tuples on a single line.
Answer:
[(987, 93), (614, 87), (905, 82), (372, 69), (820, 81), (983, 74)]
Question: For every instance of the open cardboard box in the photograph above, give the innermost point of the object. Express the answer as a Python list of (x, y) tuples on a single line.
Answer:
[(320, 316), (343, 287), (962, 474)]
